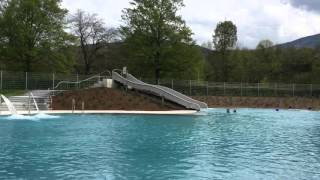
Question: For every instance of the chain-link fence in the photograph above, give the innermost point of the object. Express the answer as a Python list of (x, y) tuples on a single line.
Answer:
[(10, 81), (204, 88), (43, 81)]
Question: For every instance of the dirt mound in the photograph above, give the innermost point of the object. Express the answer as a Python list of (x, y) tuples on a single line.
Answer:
[(110, 99), (262, 102)]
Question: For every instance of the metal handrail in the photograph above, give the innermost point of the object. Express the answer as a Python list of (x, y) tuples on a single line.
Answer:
[(79, 82), (162, 92)]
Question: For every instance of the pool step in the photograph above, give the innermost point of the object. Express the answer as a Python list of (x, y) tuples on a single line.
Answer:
[(25, 102)]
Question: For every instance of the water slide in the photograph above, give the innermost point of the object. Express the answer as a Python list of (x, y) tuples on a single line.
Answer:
[(161, 91)]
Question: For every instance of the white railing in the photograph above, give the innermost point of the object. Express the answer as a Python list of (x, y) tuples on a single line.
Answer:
[(78, 83)]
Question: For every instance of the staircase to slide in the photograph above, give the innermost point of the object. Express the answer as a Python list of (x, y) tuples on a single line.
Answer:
[(130, 81), (30, 101)]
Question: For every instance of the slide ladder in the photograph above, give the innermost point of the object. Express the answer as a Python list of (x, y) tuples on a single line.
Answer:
[(164, 92)]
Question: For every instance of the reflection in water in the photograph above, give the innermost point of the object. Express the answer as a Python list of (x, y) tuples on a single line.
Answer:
[(36, 117)]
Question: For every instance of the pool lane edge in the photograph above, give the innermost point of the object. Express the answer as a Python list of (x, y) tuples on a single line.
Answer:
[(176, 112)]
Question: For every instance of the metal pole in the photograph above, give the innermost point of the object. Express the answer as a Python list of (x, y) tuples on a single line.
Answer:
[(207, 89), (172, 84), (73, 105), (53, 85), (77, 81), (82, 106), (224, 88), (241, 89), (311, 90), (258, 89), (53, 78), (26, 80), (1, 82), (293, 88), (190, 90), (29, 111)]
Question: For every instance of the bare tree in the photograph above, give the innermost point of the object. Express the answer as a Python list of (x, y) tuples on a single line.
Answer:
[(92, 34)]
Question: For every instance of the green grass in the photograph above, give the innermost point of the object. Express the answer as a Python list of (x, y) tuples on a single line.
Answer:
[(13, 92)]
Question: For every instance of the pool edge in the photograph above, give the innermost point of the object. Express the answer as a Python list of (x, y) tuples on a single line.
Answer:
[(176, 112)]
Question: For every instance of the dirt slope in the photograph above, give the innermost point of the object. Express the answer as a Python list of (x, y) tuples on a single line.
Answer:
[(110, 99)]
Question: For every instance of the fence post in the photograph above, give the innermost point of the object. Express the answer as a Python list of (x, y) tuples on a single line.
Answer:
[(293, 89), (311, 90), (241, 89), (190, 88), (77, 81), (276, 89), (26, 80), (1, 81), (172, 84), (258, 89), (224, 88), (53, 79), (207, 89)]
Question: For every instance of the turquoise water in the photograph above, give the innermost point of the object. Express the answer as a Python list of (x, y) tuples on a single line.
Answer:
[(251, 144)]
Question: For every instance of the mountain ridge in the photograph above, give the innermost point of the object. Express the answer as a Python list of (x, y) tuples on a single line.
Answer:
[(312, 41)]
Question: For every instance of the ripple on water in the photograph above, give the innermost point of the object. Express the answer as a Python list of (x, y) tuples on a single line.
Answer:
[(251, 144)]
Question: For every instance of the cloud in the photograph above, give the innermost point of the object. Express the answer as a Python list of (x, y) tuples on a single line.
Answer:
[(256, 20), (307, 4), (278, 20)]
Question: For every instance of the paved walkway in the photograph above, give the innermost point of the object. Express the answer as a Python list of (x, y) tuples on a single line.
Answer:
[(179, 112)]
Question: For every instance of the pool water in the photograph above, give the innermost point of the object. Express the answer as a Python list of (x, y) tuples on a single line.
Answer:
[(251, 144)]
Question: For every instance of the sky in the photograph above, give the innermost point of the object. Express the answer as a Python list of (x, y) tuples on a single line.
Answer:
[(277, 20)]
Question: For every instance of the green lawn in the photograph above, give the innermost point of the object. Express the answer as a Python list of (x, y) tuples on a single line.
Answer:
[(13, 92)]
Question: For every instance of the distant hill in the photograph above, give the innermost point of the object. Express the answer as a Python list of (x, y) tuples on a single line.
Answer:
[(306, 42)]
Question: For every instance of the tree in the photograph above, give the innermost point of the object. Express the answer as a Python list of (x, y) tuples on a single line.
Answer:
[(3, 4), (225, 38), (264, 44), (154, 33), (92, 36), (32, 33), (265, 55), (207, 45)]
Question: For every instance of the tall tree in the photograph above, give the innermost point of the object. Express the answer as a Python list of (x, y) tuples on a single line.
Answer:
[(225, 38), (263, 44), (92, 36), (33, 33), (3, 4), (265, 55), (154, 34)]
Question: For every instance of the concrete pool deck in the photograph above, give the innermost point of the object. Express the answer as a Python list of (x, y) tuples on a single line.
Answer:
[(176, 112)]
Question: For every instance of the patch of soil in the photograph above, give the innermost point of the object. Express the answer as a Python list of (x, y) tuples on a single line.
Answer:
[(261, 102), (110, 99)]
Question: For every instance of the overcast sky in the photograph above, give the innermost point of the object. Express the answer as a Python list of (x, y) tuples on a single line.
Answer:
[(277, 20)]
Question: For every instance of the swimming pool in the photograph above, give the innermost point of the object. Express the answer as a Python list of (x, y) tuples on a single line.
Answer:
[(251, 144)]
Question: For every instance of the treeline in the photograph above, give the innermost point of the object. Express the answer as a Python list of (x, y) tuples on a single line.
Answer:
[(272, 64), (153, 42)]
